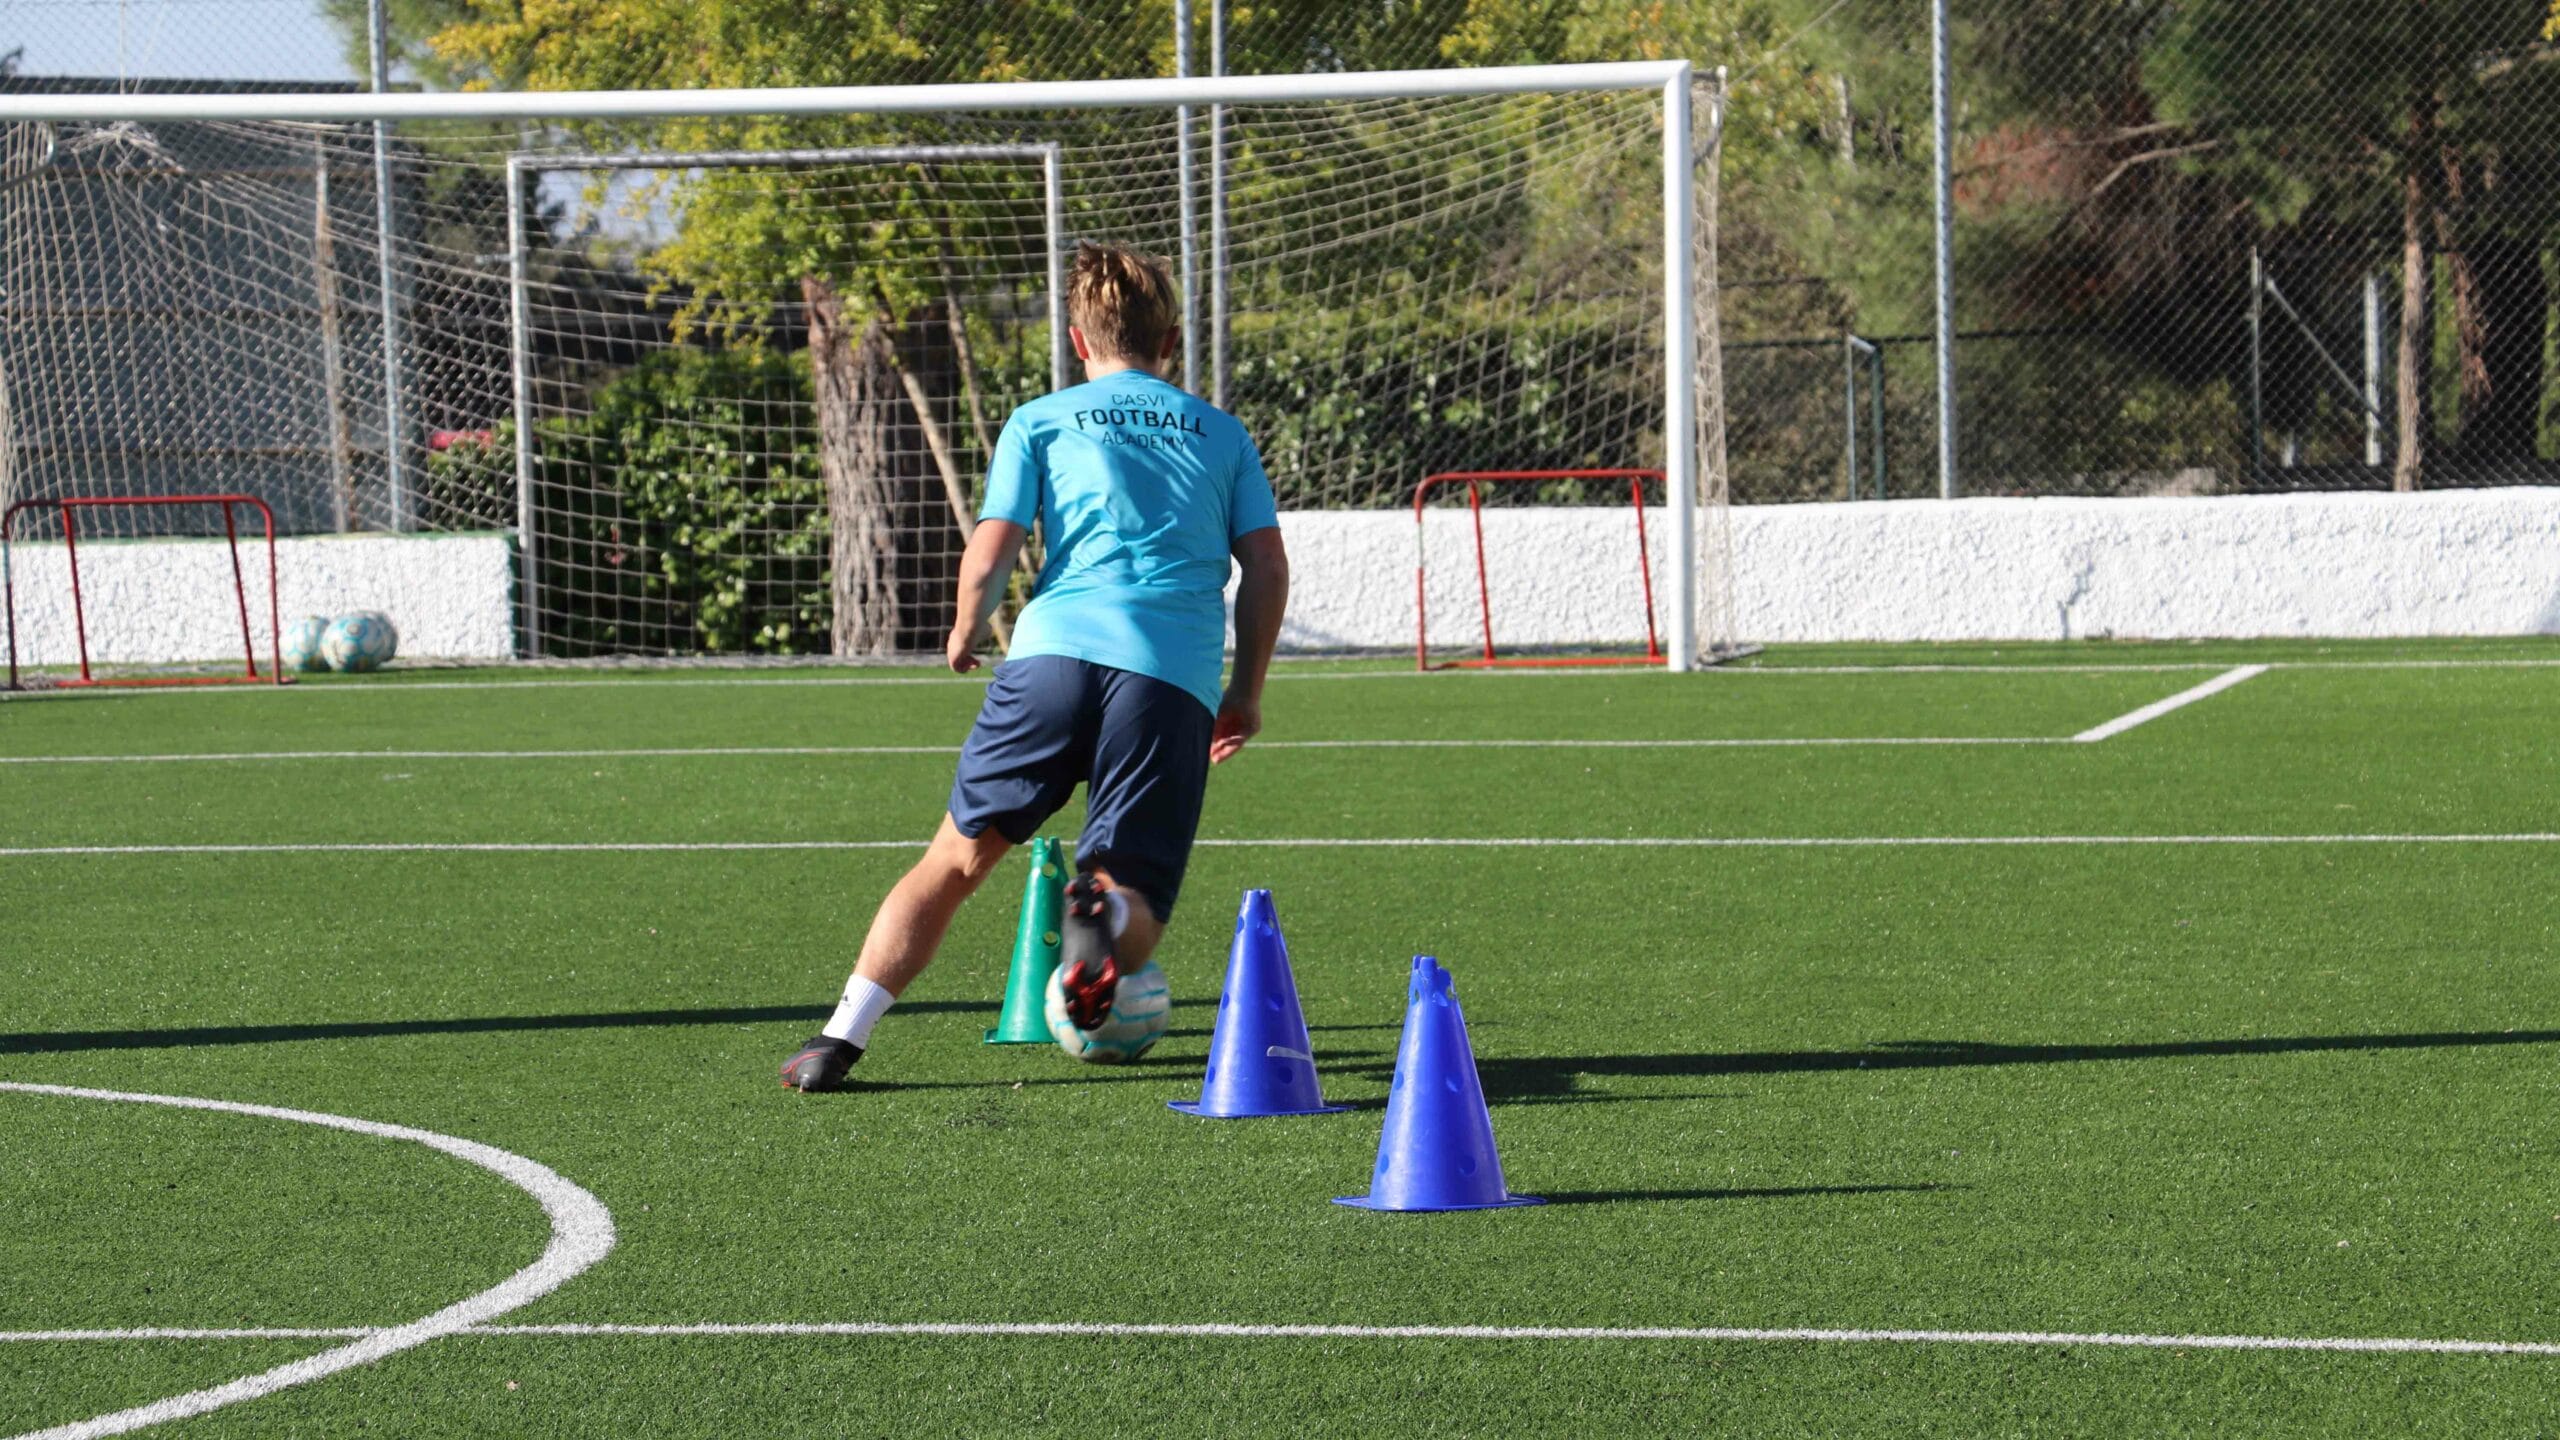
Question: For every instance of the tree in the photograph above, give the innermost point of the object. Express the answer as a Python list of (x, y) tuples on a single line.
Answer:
[(408, 30), (2421, 120), (880, 328)]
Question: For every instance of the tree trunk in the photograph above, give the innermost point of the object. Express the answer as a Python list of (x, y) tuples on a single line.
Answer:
[(857, 390), (2502, 362), (2417, 295)]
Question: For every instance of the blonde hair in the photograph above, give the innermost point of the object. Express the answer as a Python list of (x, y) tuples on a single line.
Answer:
[(1122, 299)]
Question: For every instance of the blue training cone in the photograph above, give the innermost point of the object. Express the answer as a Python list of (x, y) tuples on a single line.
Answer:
[(1437, 1150), (1260, 1062)]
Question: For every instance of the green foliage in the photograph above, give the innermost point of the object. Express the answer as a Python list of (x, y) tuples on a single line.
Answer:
[(1777, 102), (747, 238), (471, 485), (1430, 391), (2312, 101), (683, 513), (407, 28)]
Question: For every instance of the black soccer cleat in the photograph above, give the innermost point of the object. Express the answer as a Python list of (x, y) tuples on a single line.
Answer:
[(820, 1065), (1088, 973)]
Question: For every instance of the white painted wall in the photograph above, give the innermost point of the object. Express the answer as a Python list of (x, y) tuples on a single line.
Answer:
[(1558, 576), (2456, 562), (153, 601), (2462, 562)]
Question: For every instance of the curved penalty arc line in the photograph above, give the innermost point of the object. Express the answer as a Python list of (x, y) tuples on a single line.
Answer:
[(581, 1234)]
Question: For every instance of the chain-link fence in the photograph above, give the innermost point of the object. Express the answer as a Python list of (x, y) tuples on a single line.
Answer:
[(2202, 246)]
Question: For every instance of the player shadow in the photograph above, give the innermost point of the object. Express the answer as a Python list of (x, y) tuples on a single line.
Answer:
[(1146, 1069), (1762, 1192), (43, 1042)]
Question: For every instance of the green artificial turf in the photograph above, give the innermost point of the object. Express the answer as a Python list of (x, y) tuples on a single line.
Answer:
[(2258, 1089)]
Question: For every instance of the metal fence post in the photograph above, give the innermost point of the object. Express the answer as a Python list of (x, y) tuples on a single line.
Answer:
[(1188, 206), (1849, 393), (2257, 364), (1218, 211), (2372, 368), (1875, 399), (1942, 133), (386, 275), (1859, 348)]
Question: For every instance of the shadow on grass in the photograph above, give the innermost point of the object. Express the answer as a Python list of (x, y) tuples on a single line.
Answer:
[(1193, 1033), (1517, 1078), (1773, 1192), (1509, 1100), (65, 1040), (1507, 1079)]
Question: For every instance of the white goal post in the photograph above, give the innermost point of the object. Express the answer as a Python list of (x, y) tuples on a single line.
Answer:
[(1690, 446)]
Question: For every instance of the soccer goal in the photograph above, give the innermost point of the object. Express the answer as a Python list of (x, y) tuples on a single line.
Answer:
[(1575, 573), (199, 591), (727, 366)]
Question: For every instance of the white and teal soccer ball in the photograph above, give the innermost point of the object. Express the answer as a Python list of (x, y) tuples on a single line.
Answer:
[(359, 642), (302, 644), (1136, 1022)]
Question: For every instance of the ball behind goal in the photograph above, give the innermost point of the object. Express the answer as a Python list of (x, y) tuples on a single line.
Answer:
[(363, 641), (1136, 1023)]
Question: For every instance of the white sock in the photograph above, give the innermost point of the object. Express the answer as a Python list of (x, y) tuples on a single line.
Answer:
[(1115, 908), (863, 1005)]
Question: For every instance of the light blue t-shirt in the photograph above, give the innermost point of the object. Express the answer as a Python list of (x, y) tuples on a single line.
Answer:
[(1141, 490)]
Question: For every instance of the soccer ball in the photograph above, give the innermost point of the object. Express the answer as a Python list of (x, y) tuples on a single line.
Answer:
[(302, 644), (359, 642), (1136, 1022)]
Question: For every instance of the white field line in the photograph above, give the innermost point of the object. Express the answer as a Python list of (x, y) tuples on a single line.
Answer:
[(388, 685), (581, 1235), (394, 687), (2117, 668), (2182, 699), (1304, 842), (2386, 1345), (736, 751)]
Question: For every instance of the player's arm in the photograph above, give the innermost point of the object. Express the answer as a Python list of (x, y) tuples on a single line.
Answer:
[(1262, 594), (983, 568)]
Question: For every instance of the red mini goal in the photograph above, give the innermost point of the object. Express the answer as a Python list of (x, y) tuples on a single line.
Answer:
[(66, 511), (1592, 566)]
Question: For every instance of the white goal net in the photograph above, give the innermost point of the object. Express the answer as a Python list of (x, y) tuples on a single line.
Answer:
[(729, 378)]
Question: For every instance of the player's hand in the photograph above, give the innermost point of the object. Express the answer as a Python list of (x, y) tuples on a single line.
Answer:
[(1239, 720), (961, 650)]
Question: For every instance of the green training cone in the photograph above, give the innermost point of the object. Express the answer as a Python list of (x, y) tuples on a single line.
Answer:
[(1035, 949)]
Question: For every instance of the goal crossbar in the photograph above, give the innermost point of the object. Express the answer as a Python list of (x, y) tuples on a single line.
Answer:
[(854, 99)]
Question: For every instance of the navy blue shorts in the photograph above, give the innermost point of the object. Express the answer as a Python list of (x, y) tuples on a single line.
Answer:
[(1138, 745)]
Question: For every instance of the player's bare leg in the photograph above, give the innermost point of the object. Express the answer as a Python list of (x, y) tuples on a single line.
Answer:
[(905, 932), (911, 921), (1110, 932)]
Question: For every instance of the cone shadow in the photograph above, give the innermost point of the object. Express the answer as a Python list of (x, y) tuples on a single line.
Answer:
[(1771, 1192)]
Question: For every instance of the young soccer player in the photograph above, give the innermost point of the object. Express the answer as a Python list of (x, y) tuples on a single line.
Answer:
[(1144, 492)]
